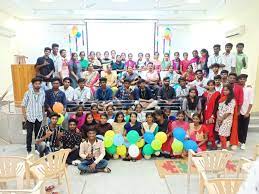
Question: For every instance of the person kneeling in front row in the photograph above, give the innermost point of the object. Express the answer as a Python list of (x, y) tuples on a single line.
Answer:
[(92, 151)]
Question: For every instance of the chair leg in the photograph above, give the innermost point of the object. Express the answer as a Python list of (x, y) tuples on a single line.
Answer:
[(67, 181), (201, 184), (189, 169)]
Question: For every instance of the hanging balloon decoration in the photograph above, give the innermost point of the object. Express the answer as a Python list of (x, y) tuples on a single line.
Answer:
[(167, 40), (75, 33)]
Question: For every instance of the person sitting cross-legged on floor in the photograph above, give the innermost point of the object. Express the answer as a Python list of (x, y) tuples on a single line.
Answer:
[(48, 137), (71, 139), (92, 152)]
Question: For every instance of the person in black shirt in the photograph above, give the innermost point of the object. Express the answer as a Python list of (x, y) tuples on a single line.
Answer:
[(166, 94), (48, 136), (71, 140), (103, 126), (45, 66), (145, 95)]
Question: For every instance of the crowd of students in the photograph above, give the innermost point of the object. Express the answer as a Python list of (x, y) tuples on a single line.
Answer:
[(215, 101)]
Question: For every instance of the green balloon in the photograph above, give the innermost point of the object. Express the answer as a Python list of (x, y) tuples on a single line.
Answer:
[(132, 137), (148, 150), (156, 144), (177, 146), (108, 141), (111, 150)]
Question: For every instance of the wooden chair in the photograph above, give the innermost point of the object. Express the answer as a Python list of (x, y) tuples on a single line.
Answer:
[(210, 162), (51, 166), (38, 189), (14, 168), (221, 185)]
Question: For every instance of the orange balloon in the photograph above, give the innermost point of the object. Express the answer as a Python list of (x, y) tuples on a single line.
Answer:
[(58, 107)]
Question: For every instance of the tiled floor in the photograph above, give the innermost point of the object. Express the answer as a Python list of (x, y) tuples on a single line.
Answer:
[(139, 177)]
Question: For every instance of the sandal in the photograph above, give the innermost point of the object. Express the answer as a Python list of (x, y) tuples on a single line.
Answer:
[(49, 188), (107, 170)]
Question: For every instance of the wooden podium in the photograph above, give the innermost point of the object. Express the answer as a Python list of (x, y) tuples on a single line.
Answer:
[(21, 76)]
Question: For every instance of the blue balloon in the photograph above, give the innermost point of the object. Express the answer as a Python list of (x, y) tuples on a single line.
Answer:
[(179, 134), (127, 144), (190, 145), (78, 34), (118, 140), (149, 137)]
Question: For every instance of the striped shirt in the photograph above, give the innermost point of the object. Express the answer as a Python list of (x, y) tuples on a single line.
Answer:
[(34, 103), (52, 140)]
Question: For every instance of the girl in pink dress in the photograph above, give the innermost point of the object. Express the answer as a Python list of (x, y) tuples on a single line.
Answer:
[(184, 63), (195, 60), (79, 116), (157, 62)]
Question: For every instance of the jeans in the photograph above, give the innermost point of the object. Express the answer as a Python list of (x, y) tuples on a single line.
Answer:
[(74, 155), (84, 166), (243, 123), (43, 148), (30, 128)]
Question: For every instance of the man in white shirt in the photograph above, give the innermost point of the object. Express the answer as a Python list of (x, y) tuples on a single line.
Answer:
[(229, 58), (200, 83), (67, 89), (244, 117), (82, 93), (215, 58), (57, 61)]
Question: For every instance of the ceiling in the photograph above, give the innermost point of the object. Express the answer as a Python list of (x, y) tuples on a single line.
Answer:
[(113, 9)]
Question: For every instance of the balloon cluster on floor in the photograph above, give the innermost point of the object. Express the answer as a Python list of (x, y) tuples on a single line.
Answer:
[(118, 146), (180, 143)]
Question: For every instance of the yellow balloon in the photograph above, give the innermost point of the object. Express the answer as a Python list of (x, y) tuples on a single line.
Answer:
[(121, 150), (140, 143), (109, 133), (161, 136)]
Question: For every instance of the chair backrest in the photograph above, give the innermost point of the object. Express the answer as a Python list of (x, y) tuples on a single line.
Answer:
[(11, 167), (52, 164), (224, 185), (215, 161)]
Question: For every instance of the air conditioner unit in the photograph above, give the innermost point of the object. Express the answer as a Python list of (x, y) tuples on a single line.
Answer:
[(6, 32), (240, 30)]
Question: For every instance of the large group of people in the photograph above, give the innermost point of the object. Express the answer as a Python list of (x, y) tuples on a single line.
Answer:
[(208, 93)]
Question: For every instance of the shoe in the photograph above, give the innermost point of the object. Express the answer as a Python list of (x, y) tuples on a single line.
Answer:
[(243, 146), (76, 162), (233, 147)]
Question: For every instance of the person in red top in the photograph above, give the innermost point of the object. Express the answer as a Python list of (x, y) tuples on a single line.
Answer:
[(189, 75), (239, 98), (184, 64), (198, 132), (211, 98)]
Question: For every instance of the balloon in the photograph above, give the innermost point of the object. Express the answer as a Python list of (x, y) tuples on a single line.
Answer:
[(109, 133), (132, 136), (190, 145), (161, 136), (127, 144), (147, 150), (149, 137), (147, 157), (121, 150), (100, 137), (140, 143), (118, 140), (111, 150), (108, 141), (74, 28), (58, 107), (133, 151), (179, 133), (156, 145), (177, 146), (60, 119), (78, 34)]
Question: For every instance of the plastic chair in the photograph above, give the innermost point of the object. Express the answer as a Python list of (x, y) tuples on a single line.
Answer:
[(38, 189), (51, 166)]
